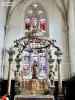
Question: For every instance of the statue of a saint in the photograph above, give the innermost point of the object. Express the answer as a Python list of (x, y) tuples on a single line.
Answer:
[(34, 67)]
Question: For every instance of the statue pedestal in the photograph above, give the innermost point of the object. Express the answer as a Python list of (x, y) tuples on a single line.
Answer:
[(60, 97), (52, 88)]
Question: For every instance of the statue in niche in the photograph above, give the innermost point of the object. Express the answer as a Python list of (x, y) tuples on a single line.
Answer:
[(34, 68)]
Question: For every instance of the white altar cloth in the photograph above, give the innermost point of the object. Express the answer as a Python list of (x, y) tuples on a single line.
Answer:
[(34, 96)]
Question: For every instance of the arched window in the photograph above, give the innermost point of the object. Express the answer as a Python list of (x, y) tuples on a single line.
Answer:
[(35, 19)]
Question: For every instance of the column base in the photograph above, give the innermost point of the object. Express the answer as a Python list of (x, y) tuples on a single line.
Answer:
[(60, 97)]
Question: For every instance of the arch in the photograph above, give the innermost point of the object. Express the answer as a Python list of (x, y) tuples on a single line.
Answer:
[(35, 18), (28, 5)]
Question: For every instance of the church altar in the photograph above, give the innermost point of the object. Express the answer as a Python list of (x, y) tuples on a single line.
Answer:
[(34, 97), (34, 87), (32, 80)]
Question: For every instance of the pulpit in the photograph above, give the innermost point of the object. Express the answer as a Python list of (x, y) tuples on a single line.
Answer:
[(34, 97)]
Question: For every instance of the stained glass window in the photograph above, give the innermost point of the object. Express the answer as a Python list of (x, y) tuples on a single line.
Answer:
[(34, 22), (26, 64), (35, 19), (42, 23), (27, 23)]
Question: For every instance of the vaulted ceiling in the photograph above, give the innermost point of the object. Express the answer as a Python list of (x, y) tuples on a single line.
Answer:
[(61, 5)]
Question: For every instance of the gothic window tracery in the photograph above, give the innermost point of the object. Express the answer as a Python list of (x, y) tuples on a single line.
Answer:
[(35, 18)]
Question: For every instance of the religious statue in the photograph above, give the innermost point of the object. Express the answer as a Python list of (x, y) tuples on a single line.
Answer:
[(34, 68), (51, 77), (18, 81), (48, 82)]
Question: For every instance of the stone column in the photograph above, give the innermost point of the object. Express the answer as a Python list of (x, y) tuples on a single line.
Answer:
[(58, 53), (10, 52), (59, 77), (71, 35)]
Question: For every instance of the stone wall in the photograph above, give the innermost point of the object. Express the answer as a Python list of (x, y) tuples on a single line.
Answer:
[(55, 30)]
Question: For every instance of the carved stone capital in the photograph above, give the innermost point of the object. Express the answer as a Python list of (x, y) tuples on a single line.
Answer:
[(11, 52), (58, 53)]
